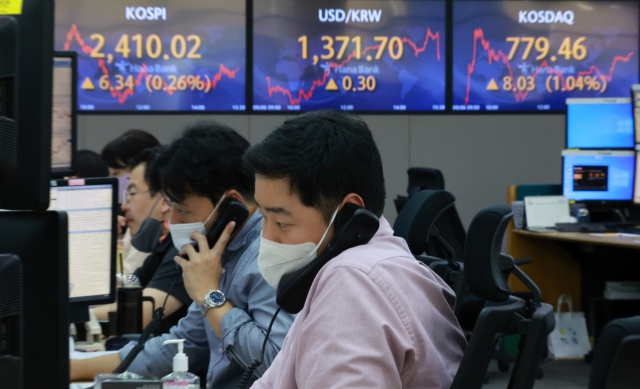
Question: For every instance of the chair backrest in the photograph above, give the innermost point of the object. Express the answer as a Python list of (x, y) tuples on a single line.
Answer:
[(486, 273), (430, 224), (494, 321), (624, 372), (420, 178), (482, 252), (616, 357)]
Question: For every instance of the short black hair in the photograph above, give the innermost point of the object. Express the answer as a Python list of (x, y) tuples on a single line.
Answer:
[(325, 155), (119, 151), (205, 161), (147, 156), (89, 164)]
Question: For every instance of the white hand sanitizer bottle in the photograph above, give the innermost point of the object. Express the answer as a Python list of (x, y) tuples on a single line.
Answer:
[(180, 378)]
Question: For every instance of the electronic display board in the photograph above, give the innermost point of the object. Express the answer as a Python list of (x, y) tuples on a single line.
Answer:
[(533, 55), (354, 56), (165, 55)]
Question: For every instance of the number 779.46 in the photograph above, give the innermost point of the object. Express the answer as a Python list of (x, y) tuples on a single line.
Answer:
[(577, 50)]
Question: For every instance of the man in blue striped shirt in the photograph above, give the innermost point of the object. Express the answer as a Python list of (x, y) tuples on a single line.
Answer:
[(198, 172)]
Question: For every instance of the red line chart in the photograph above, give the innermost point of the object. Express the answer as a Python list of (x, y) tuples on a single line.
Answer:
[(60, 145), (306, 95), (122, 95), (500, 56)]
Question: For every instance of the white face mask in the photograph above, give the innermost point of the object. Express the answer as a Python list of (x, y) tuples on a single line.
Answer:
[(181, 233), (277, 259)]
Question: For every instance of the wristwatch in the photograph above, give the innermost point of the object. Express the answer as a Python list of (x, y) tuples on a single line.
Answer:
[(213, 299)]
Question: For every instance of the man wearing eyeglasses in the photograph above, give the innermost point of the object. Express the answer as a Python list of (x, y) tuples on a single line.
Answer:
[(139, 203), (146, 216)]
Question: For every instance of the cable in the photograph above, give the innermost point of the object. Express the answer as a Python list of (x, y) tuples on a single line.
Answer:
[(246, 377)]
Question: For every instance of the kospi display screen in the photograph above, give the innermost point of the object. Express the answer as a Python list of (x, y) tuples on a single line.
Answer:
[(533, 55), (354, 56), (165, 55)]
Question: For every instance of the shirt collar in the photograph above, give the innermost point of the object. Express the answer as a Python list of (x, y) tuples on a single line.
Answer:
[(384, 229), (241, 238)]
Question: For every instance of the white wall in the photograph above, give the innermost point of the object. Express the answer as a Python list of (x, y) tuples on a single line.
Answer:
[(479, 154)]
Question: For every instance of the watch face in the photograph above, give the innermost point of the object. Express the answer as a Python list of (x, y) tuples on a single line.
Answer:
[(216, 297)]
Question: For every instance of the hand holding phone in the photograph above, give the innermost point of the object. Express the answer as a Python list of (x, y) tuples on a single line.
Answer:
[(201, 263), (233, 211)]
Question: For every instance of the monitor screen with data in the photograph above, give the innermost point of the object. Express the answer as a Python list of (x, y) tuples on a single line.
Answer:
[(597, 123), (166, 55), (533, 55), (90, 208), (363, 55), (598, 175), (636, 185), (635, 96), (62, 115)]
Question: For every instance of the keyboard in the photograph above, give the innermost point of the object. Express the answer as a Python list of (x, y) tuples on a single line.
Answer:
[(582, 227)]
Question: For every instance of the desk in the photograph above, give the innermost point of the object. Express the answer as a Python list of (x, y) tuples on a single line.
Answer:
[(626, 241), (574, 263)]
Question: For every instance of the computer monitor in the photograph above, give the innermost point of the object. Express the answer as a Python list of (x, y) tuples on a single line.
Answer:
[(635, 96), (600, 123), (39, 354), (598, 175), (63, 115), (91, 205), (636, 185), (26, 50)]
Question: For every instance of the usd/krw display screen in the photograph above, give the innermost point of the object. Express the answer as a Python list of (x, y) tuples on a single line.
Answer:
[(356, 55), (156, 56), (533, 55)]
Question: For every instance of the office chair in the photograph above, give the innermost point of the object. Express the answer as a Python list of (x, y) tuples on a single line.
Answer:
[(616, 358), (486, 273), (420, 178), (430, 225)]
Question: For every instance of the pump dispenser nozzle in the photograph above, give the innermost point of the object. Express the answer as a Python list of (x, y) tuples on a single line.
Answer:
[(180, 361)]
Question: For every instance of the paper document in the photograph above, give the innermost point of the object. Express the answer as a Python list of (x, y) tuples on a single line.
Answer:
[(545, 211), (80, 385)]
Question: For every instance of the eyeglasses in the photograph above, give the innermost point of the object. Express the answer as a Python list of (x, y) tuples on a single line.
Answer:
[(126, 195)]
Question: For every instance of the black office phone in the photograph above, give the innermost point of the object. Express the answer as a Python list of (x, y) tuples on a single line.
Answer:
[(355, 226), (233, 211)]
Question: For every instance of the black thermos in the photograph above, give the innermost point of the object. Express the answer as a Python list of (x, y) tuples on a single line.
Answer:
[(129, 316)]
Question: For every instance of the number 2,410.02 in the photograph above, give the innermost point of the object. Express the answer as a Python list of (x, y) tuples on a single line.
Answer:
[(151, 46)]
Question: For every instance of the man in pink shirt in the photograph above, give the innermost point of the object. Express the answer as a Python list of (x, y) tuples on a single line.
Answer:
[(374, 317)]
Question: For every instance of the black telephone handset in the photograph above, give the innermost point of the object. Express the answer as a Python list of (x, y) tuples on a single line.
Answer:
[(234, 211), (355, 226)]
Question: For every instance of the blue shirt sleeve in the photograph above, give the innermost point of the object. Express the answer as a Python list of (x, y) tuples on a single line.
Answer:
[(244, 328), (157, 359)]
